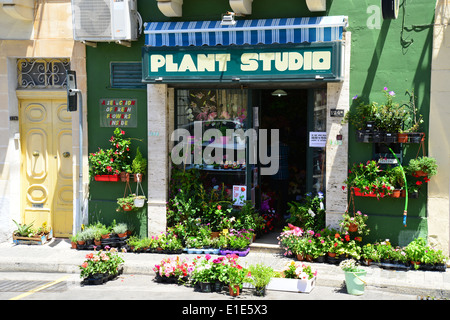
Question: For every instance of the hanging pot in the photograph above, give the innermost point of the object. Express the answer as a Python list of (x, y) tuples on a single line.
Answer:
[(139, 202), (127, 207), (352, 227), (421, 173)]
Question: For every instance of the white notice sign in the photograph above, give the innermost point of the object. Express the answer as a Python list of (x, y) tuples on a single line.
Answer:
[(239, 195), (317, 139)]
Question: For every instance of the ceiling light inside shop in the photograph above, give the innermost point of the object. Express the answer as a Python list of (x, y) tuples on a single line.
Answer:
[(279, 93)]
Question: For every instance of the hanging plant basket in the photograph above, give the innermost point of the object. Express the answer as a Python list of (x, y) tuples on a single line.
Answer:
[(139, 202), (127, 207)]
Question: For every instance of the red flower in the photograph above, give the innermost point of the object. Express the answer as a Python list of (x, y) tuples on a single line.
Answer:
[(343, 188), (347, 237), (219, 207), (426, 179), (358, 239), (335, 244), (337, 235), (418, 183)]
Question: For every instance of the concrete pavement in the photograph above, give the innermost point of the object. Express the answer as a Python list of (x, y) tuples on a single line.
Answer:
[(57, 257)]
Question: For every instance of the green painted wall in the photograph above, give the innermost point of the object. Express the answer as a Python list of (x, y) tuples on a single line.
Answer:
[(396, 54)]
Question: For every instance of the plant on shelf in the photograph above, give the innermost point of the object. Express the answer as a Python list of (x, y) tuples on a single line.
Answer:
[(139, 163), (354, 223), (389, 116), (113, 160), (422, 166), (259, 276), (361, 114), (368, 179), (120, 229), (412, 121)]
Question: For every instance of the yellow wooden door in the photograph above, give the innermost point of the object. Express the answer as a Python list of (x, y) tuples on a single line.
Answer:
[(46, 169)]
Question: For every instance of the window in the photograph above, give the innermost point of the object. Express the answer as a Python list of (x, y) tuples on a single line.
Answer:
[(42, 73)]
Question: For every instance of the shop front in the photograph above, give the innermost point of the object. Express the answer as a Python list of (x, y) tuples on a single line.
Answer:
[(255, 107)]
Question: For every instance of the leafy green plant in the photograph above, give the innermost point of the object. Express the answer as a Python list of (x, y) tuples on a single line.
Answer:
[(139, 163), (260, 275), (120, 228), (24, 230), (426, 164)]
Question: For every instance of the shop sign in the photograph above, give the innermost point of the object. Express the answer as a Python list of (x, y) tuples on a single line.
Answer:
[(242, 64), (118, 113)]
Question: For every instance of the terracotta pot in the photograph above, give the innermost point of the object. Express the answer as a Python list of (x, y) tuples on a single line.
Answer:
[(127, 207), (235, 292), (74, 245), (396, 193), (215, 234), (420, 174), (105, 236), (308, 258), (81, 243), (352, 227), (331, 254), (98, 242), (402, 137), (300, 257), (122, 235), (138, 177)]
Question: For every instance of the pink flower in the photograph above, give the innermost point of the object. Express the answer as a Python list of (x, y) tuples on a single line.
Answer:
[(84, 265)]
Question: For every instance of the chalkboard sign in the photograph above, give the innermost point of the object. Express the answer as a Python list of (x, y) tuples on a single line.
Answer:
[(118, 113)]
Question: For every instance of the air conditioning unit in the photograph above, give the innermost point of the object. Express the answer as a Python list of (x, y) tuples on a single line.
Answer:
[(105, 20)]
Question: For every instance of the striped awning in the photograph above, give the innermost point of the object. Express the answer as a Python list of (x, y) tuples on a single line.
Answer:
[(252, 32)]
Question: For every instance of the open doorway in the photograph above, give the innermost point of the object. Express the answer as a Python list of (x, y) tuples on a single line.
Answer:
[(289, 114)]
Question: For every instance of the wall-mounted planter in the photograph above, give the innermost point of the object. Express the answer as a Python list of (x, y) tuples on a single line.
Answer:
[(107, 177)]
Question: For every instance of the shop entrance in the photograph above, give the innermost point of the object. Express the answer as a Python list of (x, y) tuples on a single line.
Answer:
[(295, 113)]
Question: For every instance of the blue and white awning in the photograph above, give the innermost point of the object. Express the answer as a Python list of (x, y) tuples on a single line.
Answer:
[(252, 32)]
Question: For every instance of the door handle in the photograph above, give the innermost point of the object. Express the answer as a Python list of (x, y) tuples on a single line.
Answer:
[(66, 154), (35, 153)]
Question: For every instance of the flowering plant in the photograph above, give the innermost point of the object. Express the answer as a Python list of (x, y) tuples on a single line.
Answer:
[(308, 214), (287, 238), (349, 265), (103, 262), (297, 270), (358, 219), (369, 252), (202, 270), (113, 160), (368, 178), (178, 268), (236, 273)]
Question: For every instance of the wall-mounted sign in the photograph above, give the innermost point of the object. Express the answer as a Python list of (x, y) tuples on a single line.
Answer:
[(118, 113), (317, 139), (336, 112), (242, 64)]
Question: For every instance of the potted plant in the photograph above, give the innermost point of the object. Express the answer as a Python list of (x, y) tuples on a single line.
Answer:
[(138, 166), (203, 274), (236, 275), (354, 277), (370, 254), (411, 123), (126, 203), (423, 166), (100, 267), (415, 251), (107, 164), (354, 223), (367, 179), (120, 229), (295, 277), (259, 276), (362, 118)]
